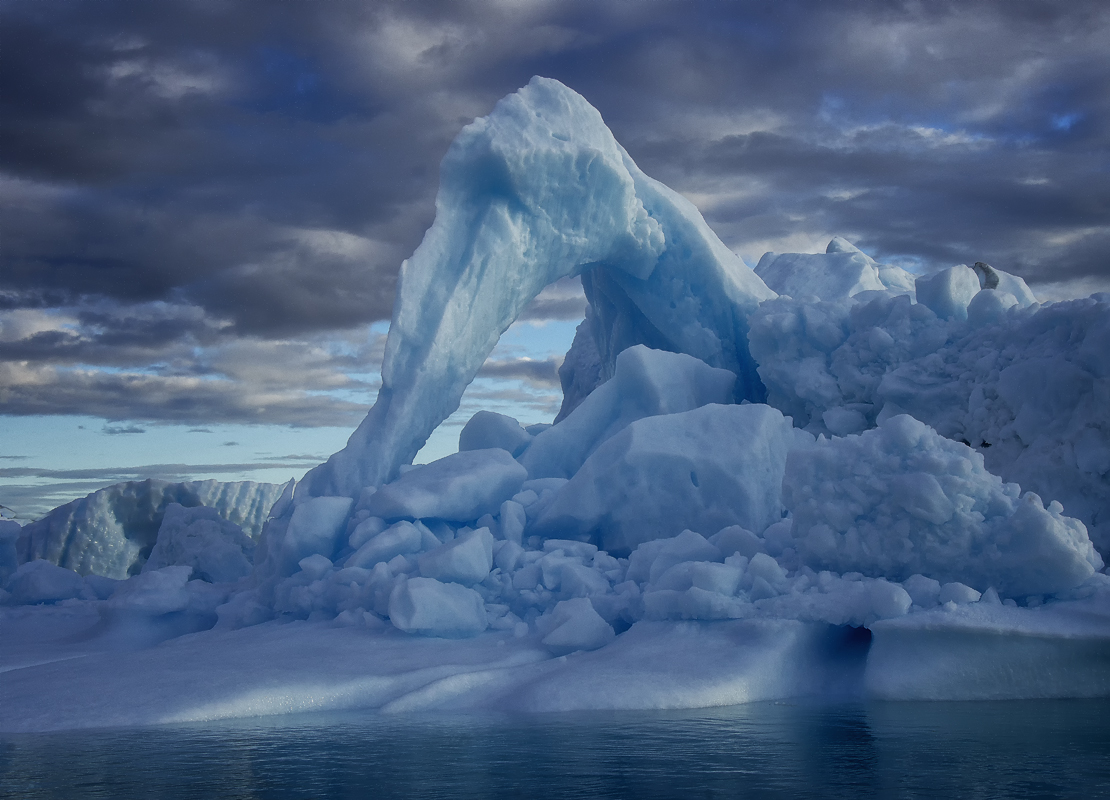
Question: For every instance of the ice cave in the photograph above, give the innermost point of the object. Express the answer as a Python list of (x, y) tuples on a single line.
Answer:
[(824, 476)]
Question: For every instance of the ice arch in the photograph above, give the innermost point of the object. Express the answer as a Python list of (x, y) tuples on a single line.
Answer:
[(537, 191)]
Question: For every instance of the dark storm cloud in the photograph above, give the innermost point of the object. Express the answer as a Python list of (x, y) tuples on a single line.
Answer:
[(192, 191)]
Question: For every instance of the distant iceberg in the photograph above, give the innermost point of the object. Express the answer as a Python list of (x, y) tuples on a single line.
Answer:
[(823, 477)]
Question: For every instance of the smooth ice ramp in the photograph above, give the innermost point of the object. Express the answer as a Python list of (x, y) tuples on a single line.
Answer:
[(537, 191)]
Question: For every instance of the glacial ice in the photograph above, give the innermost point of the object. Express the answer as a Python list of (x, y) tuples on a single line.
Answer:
[(112, 531), (1027, 388), (868, 484), (460, 487)]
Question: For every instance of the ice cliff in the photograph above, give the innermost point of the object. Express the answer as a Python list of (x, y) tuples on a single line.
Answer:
[(824, 476)]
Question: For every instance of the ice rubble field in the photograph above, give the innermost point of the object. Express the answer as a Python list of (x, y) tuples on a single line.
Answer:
[(821, 477)]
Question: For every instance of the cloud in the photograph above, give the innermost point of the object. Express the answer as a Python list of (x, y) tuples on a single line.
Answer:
[(536, 372), (562, 300), (204, 205), (120, 396), (116, 430)]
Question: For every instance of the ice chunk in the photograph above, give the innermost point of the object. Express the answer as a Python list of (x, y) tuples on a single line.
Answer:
[(487, 429), (513, 520), (924, 592), (646, 383), (316, 527), (702, 469), (652, 558), (842, 271), (828, 276), (39, 581), (401, 538), (431, 608), (575, 625), (217, 550), (466, 559), (537, 191), (111, 531), (735, 539), (902, 499), (315, 567), (706, 575), (948, 291), (957, 593), (460, 487), (365, 530)]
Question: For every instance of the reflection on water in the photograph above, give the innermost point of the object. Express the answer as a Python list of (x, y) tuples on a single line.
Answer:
[(976, 750)]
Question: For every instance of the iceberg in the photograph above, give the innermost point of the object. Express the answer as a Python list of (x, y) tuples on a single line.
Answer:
[(826, 477)]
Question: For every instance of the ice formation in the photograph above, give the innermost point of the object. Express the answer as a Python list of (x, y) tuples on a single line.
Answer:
[(868, 484), (113, 530), (537, 191)]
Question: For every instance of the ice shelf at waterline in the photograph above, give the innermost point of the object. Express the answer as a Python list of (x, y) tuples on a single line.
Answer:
[(823, 477)]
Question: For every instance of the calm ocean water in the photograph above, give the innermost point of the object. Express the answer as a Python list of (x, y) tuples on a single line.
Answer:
[(1034, 749)]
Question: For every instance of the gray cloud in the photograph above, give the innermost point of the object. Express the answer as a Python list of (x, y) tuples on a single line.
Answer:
[(123, 396), (203, 205), (116, 430), (537, 372)]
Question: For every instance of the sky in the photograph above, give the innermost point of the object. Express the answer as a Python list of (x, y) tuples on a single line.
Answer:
[(204, 204)]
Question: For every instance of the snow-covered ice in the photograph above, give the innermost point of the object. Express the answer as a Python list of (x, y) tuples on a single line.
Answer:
[(824, 477)]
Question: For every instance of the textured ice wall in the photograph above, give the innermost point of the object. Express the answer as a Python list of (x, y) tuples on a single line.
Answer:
[(536, 191), (1028, 387), (113, 530)]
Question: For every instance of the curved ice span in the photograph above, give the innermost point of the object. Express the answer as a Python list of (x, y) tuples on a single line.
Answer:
[(537, 191)]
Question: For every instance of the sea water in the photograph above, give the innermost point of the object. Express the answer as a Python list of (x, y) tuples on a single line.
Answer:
[(1031, 749)]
